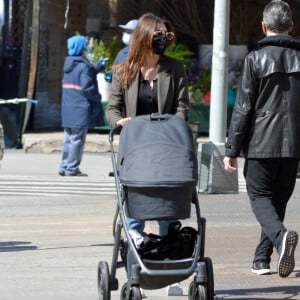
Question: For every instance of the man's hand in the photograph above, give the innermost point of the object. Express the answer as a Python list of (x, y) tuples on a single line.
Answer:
[(229, 164)]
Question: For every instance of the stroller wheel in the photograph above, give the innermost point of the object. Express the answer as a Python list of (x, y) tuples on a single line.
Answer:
[(103, 281), (134, 293), (210, 278), (198, 292)]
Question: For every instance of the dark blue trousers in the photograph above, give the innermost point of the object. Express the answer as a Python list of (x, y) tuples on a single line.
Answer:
[(270, 183)]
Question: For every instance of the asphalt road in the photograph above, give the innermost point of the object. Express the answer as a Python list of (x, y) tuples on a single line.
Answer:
[(52, 236)]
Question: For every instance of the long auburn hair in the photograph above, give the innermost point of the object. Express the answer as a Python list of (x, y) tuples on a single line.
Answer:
[(139, 48)]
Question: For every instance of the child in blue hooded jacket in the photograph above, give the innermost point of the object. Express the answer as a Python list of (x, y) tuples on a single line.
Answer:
[(81, 104)]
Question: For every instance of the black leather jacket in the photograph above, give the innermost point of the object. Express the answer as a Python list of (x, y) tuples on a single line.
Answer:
[(266, 118)]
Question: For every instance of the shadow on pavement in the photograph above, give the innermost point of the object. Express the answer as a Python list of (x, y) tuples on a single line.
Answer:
[(12, 246), (290, 291)]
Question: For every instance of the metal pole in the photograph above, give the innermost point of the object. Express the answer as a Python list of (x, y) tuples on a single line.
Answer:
[(219, 84), (212, 177)]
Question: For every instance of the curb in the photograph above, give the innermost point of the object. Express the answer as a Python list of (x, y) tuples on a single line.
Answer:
[(52, 142)]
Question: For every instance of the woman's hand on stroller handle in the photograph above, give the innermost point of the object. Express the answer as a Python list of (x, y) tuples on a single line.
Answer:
[(123, 121)]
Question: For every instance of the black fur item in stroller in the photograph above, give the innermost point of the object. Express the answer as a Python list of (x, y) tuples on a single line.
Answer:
[(156, 176), (179, 243)]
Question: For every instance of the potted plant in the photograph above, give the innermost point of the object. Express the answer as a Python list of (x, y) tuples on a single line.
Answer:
[(96, 50), (180, 51), (199, 79), (199, 85)]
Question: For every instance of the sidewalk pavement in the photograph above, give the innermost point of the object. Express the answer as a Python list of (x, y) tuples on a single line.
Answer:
[(231, 236)]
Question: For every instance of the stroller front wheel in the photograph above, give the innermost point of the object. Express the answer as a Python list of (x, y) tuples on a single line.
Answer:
[(198, 292), (103, 281), (210, 278)]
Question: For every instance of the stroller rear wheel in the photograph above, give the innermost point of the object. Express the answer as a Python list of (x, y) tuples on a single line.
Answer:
[(103, 281), (134, 293)]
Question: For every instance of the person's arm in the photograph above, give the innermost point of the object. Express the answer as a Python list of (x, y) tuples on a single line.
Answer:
[(89, 85), (116, 102), (241, 119)]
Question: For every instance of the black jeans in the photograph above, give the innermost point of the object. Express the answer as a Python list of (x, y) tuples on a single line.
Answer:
[(270, 184)]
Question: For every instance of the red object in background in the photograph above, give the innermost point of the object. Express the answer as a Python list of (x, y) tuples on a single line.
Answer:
[(206, 97)]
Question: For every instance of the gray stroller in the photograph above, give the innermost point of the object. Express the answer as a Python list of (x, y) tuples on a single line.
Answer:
[(155, 176)]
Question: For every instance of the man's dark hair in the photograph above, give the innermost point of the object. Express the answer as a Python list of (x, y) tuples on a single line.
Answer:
[(277, 16)]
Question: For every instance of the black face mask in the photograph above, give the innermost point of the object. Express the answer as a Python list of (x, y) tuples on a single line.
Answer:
[(159, 45)]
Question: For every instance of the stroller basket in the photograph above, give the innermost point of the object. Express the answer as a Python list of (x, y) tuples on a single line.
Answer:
[(148, 281)]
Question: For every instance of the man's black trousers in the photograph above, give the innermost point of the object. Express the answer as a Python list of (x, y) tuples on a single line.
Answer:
[(270, 183)]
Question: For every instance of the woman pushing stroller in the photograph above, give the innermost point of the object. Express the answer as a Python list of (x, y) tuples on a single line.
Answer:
[(148, 82)]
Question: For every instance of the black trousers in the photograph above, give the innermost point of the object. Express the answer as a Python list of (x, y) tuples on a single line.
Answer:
[(270, 183)]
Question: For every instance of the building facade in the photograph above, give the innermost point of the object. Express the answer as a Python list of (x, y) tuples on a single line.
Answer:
[(34, 33)]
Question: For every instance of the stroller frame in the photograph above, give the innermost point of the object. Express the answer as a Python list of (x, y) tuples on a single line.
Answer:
[(202, 285)]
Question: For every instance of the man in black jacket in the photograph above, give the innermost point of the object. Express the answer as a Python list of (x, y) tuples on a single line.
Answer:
[(265, 125)]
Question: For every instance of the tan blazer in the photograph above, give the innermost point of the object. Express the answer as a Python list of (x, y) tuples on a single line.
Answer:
[(172, 89)]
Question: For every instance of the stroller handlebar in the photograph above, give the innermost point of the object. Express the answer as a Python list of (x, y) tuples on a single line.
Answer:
[(153, 117), (113, 131)]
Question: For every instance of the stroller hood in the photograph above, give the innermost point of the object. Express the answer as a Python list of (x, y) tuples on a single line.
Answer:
[(157, 150)]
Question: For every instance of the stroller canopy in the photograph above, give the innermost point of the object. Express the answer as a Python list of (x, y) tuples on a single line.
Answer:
[(157, 150)]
